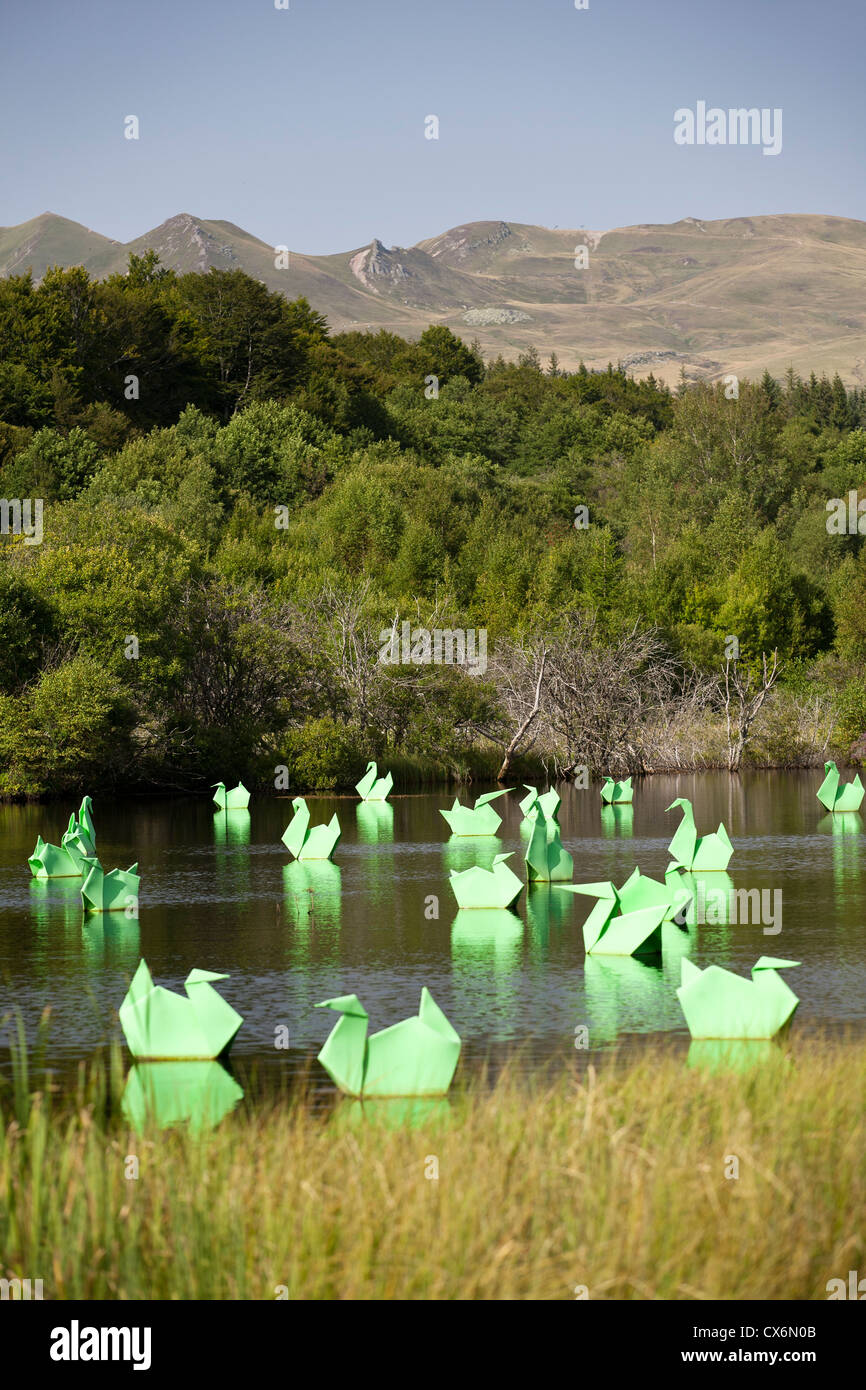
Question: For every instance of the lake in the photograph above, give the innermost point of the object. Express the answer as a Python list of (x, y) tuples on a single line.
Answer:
[(220, 892)]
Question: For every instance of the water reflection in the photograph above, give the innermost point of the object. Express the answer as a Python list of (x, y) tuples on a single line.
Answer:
[(391, 1112), (711, 903), (466, 851), (161, 1094), (231, 828), (734, 1054), (375, 822), (55, 902), (617, 821), (623, 993), (114, 940), (312, 892), (546, 906)]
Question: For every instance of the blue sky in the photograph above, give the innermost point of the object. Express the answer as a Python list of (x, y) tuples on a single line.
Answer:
[(306, 126)]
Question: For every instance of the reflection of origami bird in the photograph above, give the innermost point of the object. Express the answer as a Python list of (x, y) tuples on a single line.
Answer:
[(159, 1023), (549, 802), (707, 852), (414, 1058), (546, 860), (162, 1094), (372, 787), (108, 892), (719, 1004), (238, 799), (616, 792), (305, 843), (477, 887), (846, 796), (480, 819), (626, 921)]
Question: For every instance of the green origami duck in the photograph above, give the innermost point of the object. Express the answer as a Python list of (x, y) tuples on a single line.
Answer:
[(549, 802), (68, 859), (158, 1023), (372, 787), (480, 819), (719, 1004), (546, 860), (707, 853), (846, 796), (417, 1057), (625, 921), (109, 892), (238, 799), (617, 793), (477, 887), (306, 843)]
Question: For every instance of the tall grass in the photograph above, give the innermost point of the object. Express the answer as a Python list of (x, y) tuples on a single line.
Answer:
[(617, 1177)]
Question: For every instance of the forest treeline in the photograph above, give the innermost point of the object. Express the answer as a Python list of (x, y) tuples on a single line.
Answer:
[(238, 501)]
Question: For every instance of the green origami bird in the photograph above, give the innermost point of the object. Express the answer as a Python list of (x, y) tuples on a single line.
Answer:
[(626, 921), (372, 787), (238, 799), (68, 859), (719, 1004), (546, 860), (480, 819), (417, 1057), (836, 796), (306, 843), (484, 888), (109, 892), (158, 1023), (617, 793), (549, 802), (704, 853)]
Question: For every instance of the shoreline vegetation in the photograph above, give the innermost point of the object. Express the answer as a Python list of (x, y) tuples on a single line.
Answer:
[(228, 506), (621, 1177)]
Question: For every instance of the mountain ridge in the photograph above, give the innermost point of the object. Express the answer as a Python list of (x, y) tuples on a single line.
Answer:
[(709, 297)]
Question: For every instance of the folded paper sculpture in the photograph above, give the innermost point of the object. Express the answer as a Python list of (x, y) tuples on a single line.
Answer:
[(617, 793), (840, 796), (414, 1058), (306, 842), (546, 860), (549, 802), (480, 819), (719, 1004), (704, 852), (67, 860), (372, 787), (625, 921), (496, 887), (109, 892), (158, 1023), (238, 799)]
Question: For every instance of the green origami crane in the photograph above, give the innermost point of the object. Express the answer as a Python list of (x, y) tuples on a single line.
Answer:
[(836, 797), (709, 852), (238, 799), (549, 802), (719, 1004), (162, 1094), (158, 1023), (68, 859), (484, 888), (617, 793), (306, 843), (546, 860), (626, 921), (372, 787), (417, 1057), (480, 819), (109, 892)]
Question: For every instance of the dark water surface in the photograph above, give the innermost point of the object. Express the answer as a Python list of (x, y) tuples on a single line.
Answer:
[(219, 892)]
